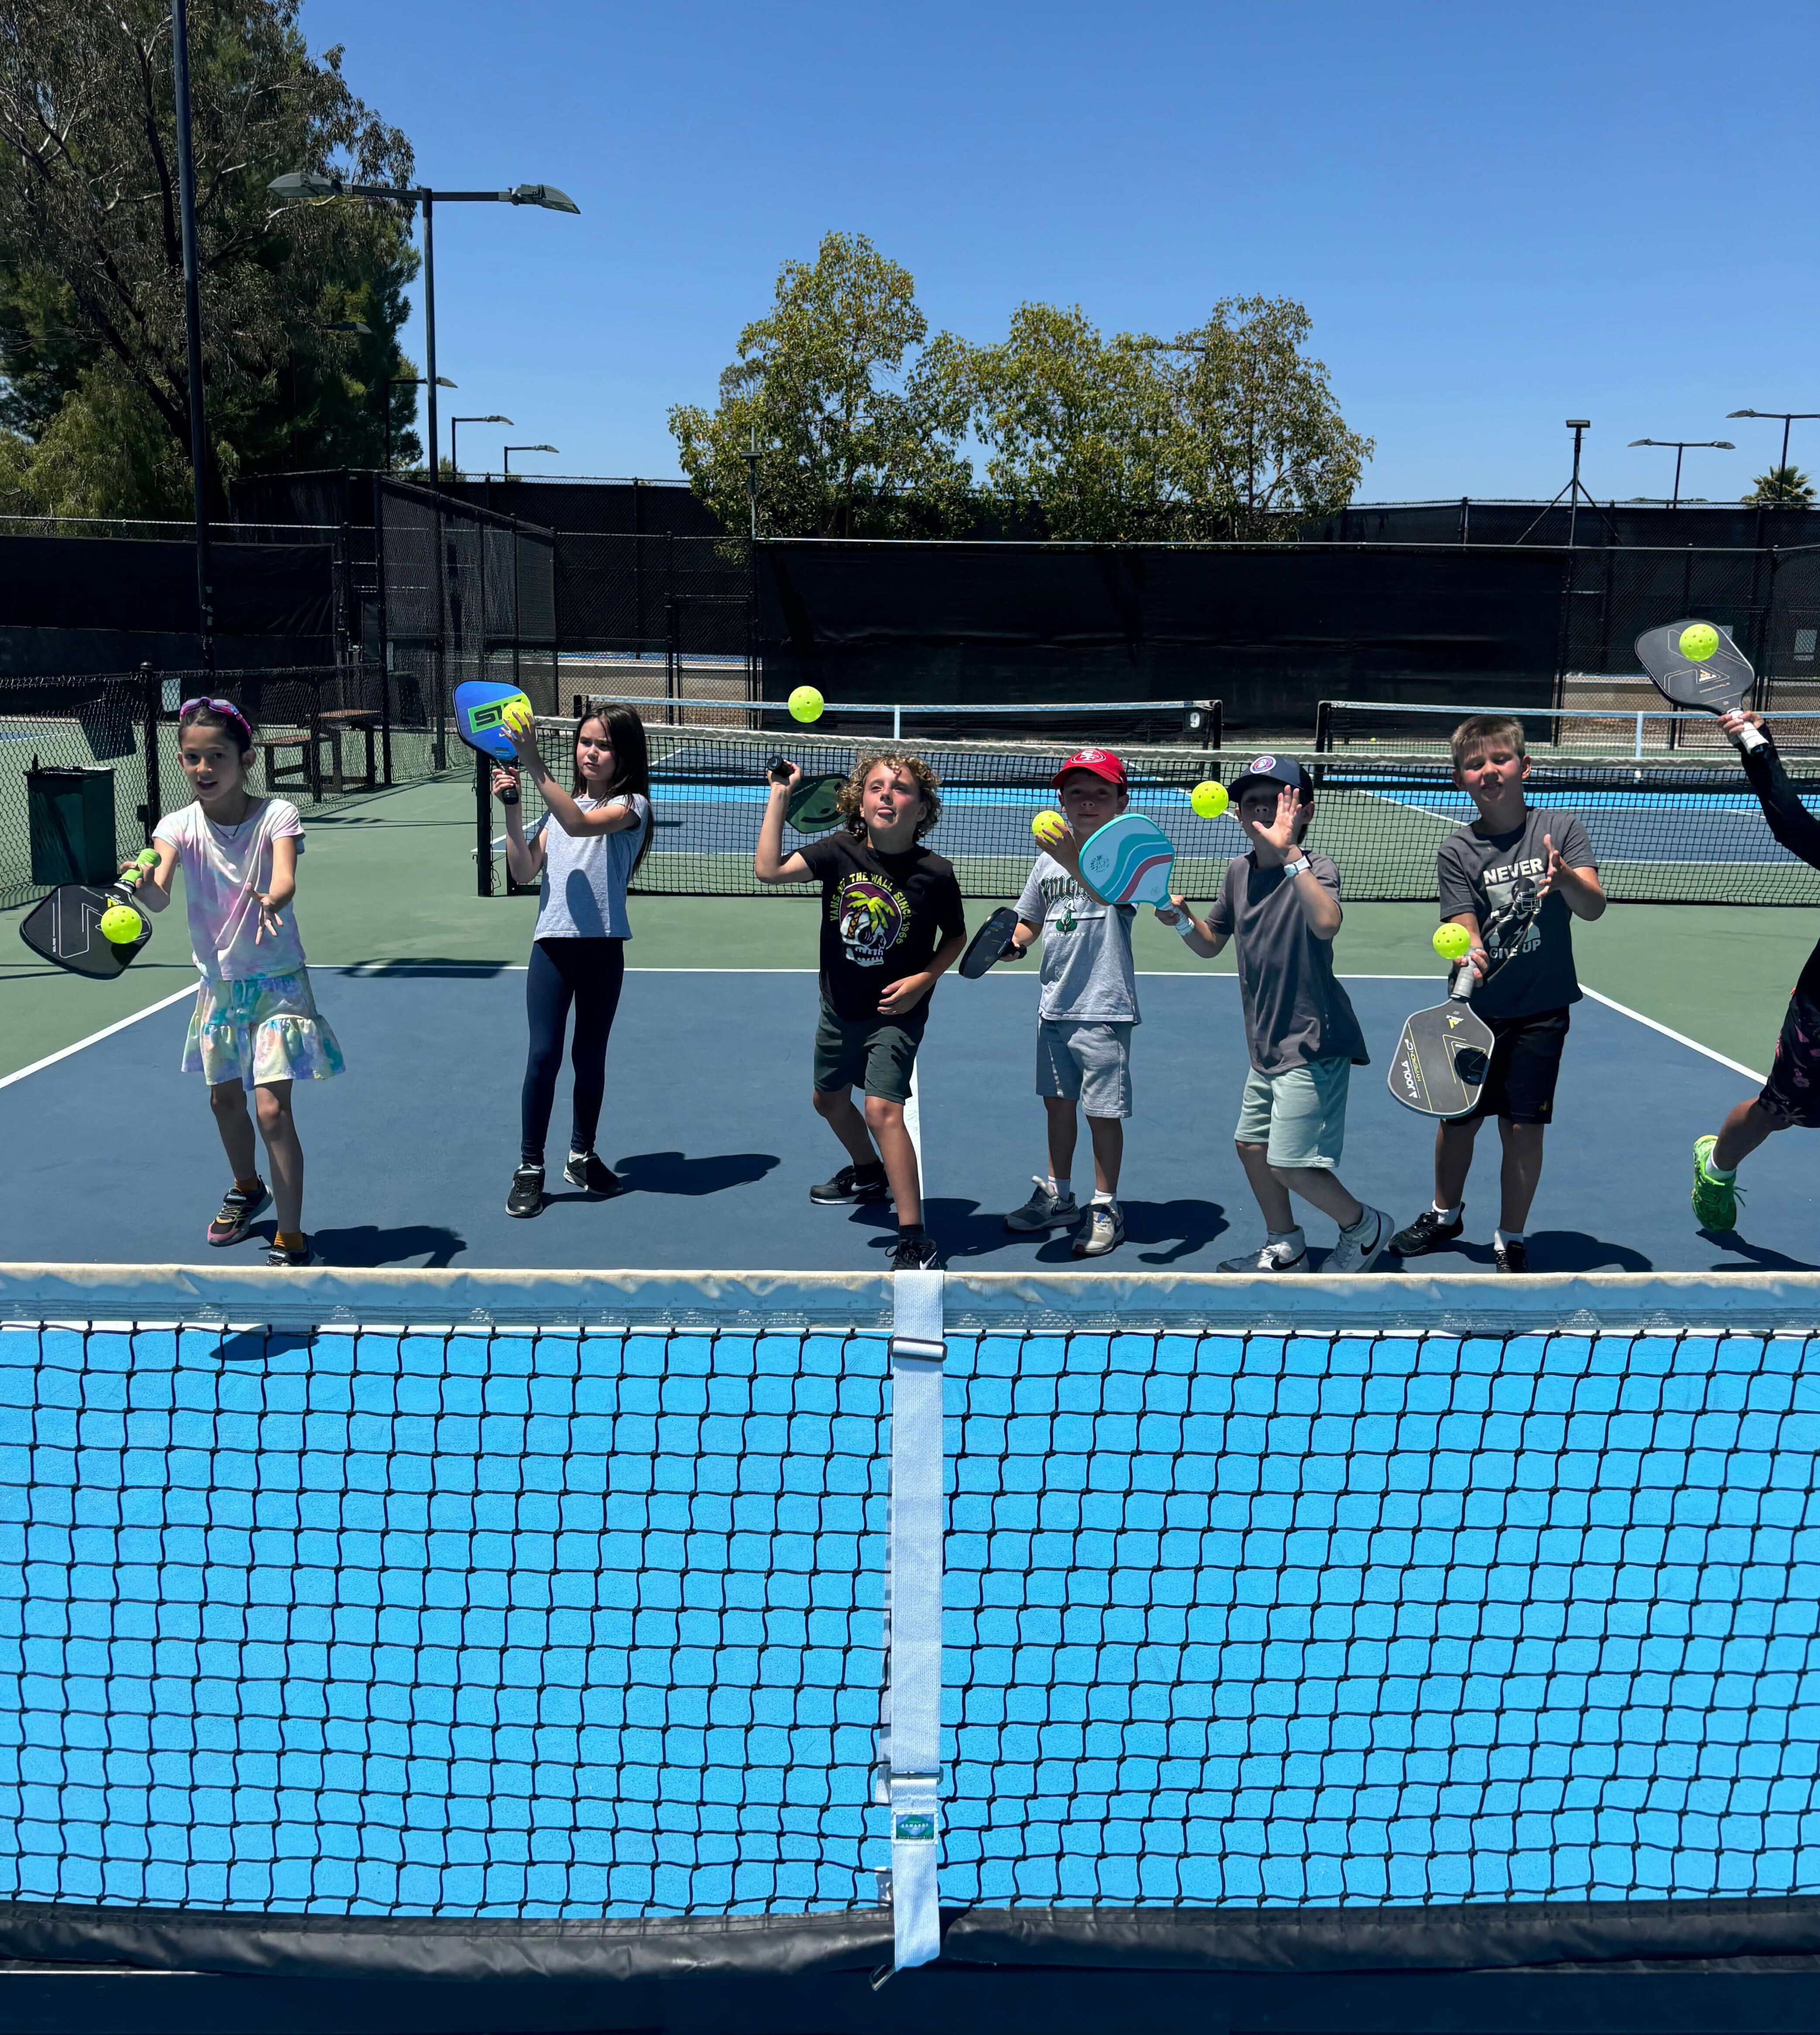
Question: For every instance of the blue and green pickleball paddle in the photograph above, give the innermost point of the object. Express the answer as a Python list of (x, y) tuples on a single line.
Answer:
[(480, 711)]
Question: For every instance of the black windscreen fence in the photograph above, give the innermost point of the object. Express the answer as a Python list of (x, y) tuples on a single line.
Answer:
[(1269, 631), (98, 604)]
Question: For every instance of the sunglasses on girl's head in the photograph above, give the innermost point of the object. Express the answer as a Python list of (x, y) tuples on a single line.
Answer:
[(215, 706)]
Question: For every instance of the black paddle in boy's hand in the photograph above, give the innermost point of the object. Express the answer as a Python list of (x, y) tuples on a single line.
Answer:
[(1443, 1056), (992, 944), (1693, 664)]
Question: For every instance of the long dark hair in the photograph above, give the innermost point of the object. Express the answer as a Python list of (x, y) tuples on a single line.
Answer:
[(631, 765)]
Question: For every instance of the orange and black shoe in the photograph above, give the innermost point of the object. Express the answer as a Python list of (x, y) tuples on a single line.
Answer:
[(282, 1253), (238, 1206)]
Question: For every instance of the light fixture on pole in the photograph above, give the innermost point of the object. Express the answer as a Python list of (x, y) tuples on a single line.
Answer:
[(299, 186), (1680, 446), (454, 461), (510, 450), (1579, 426), (387, 384), (1789, 417)]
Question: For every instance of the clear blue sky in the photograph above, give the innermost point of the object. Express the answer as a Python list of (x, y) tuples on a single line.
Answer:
[(1499, 216)]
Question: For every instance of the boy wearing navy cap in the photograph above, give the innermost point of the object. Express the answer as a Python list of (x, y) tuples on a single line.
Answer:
[(1282, 905), (1089, 1004)]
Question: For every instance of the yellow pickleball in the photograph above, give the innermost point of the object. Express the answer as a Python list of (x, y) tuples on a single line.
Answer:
[(1208, 798), (806, 704), (121, 925), (1049, 828), (1452, 943), (517, 713), (1698, 640)]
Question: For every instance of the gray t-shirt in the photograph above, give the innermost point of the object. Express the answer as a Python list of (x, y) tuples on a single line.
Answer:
[(585, 876), (1087, 977), (1295, 1010), (1535, 966)]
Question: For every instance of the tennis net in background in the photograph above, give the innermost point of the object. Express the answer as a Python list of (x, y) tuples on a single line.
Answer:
[(521, 1623), (1664, 831)]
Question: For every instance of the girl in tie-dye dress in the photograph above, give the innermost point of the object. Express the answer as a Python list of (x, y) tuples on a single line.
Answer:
[(256, 1026)]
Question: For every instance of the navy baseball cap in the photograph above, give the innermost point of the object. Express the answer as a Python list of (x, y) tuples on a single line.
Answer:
[(1281, 770)]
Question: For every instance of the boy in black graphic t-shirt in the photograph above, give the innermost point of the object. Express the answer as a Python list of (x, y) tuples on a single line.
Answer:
[(1539, 862), (891, 922)]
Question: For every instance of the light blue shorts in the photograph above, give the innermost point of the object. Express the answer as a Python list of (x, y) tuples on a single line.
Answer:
[(1299, 1115)]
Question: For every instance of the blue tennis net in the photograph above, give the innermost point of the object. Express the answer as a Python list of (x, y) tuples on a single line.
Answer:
[(521, 1623)]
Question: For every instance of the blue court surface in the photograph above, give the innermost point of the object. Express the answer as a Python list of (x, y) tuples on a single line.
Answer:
[(113, 1156)]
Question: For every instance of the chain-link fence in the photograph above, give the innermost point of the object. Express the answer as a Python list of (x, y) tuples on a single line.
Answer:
[(321, 734), (460, 593)]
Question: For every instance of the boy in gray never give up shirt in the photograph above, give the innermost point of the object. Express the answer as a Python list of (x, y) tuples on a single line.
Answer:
[(1088, 1006), (1281, 904)]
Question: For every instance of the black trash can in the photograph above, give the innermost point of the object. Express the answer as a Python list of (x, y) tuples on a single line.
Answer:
[(70, 814)]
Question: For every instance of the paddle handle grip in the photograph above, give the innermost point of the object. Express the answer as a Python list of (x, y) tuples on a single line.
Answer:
[(1460, 983), (144, 862), (1748, 739)]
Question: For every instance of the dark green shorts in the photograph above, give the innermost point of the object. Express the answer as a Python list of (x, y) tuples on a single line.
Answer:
[(874, 1055)]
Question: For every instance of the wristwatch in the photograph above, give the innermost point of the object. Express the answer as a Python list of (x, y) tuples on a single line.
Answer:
[(1294, 869)]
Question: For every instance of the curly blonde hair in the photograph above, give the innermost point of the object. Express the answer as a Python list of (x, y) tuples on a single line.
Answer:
[(848, 799)]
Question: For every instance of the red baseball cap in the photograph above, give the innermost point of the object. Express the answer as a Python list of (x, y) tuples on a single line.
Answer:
[(1102, 762)]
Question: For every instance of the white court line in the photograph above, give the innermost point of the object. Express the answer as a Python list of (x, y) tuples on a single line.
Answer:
[(1680, 1038), (94, 1038)]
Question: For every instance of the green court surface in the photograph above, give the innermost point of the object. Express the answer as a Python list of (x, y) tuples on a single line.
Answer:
[(391, 878)]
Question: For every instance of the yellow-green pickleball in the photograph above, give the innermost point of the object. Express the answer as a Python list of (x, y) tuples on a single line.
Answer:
[(1452, 943), (1699, 642), (806, 704), (1208, 798), (122, 925), (1049, 828)]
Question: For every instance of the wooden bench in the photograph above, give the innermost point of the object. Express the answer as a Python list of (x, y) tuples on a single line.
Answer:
[(286, 752)]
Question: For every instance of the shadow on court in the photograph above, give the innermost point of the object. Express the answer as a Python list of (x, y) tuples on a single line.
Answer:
[(113, 1156)]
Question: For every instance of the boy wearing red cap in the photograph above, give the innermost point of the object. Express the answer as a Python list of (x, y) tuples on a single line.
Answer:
[(1089, 1004)]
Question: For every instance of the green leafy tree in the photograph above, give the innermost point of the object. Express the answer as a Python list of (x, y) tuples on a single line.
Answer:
[(1227, 430), (1781, 488), (852, 442), (1075, 428), (94, 395), (1256, 443)]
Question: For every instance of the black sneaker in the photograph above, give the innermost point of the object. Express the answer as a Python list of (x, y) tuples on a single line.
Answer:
[(238, 1206), (527, 1195), (1513, 1254), (591, 1174), (915, 1253), (1427, 1232), (277, 1254), (848, 1185)]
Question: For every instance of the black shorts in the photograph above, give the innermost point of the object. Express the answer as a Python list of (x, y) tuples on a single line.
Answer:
[(1525, 1065), (1792, 1092)]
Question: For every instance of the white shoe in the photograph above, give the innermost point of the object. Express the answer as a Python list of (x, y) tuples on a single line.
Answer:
[(1044, 1210), (1284, 1255), (1359, 1247), (1103, 1230)]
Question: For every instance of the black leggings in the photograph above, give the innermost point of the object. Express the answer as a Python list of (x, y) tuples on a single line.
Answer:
[(588, 973)]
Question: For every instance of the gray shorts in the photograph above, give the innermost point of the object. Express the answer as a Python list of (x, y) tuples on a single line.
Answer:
[(1089, 1064), (1298, 1115)]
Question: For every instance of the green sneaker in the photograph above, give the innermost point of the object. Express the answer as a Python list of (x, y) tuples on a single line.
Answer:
[(1715, 1202)]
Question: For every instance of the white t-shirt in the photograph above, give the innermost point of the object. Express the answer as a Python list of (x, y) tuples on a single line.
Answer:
[(224, 870), (585, 876)]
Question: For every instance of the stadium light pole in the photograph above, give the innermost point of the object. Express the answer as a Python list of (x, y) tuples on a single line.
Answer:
[(454, 425), (387, 384), (1680, 446), (1789, 417), (508, 450), (300, 186), (192, 324)]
